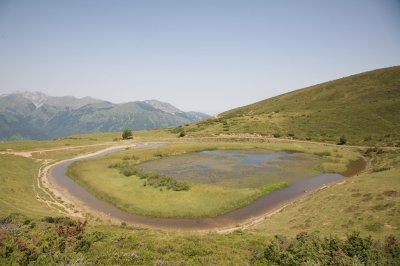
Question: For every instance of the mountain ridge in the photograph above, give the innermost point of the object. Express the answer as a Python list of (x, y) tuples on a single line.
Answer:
[(35, 115)]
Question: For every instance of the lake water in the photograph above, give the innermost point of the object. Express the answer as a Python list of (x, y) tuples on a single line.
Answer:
[(249, 159), (236, 168)]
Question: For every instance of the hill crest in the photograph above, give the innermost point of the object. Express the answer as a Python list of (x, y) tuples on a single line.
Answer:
[(365, 108)]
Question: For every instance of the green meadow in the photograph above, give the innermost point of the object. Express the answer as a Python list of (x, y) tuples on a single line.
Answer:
[(18, 190), (368, 203)]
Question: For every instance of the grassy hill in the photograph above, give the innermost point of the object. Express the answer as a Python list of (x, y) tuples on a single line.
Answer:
[(365, 108)]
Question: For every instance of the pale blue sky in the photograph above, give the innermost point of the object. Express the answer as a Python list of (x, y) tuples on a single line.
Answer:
[(205, 56)]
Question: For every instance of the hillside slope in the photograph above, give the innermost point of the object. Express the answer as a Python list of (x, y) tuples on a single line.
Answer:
[(365, 108), (34, 115)]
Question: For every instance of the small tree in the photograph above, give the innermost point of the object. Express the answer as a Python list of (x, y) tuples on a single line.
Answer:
[(342, 140), (182, 134), (127, 134)]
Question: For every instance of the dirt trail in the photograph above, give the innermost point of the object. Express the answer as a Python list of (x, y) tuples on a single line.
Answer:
[(255, 137), (29, 154), (43, 189)]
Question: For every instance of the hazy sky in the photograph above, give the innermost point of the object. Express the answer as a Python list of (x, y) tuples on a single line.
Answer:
[(201, 55)]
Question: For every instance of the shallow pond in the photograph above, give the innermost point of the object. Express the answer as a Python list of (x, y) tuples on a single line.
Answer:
[(249, 158), (236, 168)]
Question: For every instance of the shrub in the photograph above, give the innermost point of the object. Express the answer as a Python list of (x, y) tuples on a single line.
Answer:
[(392, 248), (59, 220), (128, 170), (276, 135), (114, 165), (177, 130), (311, 249), (152, 179), (368, 138), (342, 140), (127, 134), (376, 150), (323, 153), (380, 169)]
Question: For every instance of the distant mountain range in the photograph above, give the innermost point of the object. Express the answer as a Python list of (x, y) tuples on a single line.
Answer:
[(35, 115)]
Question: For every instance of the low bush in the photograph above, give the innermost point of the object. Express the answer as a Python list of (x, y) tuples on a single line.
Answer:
[(177, 130), (311, 249), (323, 153), (127, 134), (182, 134), (60, 244), (116, 165), (342, 140), (126, 158), (152, 179), (380, 169), (58, 220), (276, 135), (368, 138), (376, 150)]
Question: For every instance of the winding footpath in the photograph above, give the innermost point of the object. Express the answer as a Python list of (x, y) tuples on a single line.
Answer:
[(62, 186)]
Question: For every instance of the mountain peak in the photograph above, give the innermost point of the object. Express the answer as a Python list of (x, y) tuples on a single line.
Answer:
[(36, 97), (73, 102), (165, 107)]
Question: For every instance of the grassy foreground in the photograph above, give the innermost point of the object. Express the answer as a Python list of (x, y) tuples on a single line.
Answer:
[(367, 203), (28, 237), (18, 190), (55, 241), (202, 200)]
